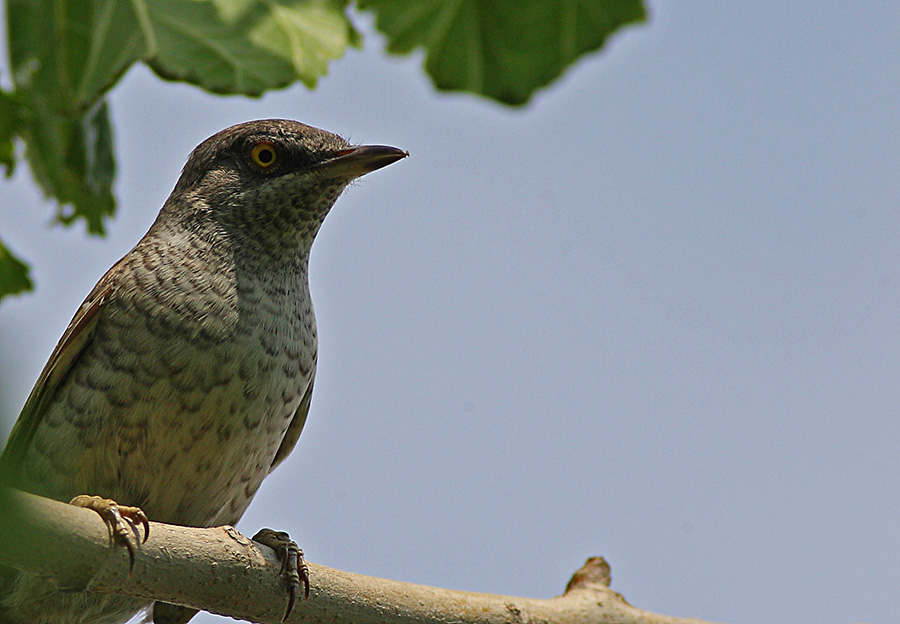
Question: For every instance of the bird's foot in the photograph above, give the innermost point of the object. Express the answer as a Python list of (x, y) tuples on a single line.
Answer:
[(293, 565), (120, 520)]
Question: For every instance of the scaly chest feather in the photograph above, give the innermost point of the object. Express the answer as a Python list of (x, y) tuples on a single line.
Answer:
[(178, 411)]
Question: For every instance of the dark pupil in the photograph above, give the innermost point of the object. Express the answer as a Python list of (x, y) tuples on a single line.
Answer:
[(265, 156)]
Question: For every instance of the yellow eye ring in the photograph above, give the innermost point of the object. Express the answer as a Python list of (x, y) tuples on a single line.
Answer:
[(264, 155)]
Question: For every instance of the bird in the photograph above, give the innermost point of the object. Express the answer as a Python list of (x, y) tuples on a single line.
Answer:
[(186, 375)]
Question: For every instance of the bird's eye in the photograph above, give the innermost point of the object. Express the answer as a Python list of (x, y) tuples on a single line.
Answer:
[(263, 154)]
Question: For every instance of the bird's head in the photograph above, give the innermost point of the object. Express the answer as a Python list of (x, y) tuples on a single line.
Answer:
[(269, 182)]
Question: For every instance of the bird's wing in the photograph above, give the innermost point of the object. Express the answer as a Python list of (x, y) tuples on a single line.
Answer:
[(296, 426), (76, 338)]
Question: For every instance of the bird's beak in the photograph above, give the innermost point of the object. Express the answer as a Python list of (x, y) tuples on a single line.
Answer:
[(353, 162)]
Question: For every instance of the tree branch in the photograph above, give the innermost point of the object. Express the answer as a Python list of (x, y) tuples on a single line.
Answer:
[(221, 571)]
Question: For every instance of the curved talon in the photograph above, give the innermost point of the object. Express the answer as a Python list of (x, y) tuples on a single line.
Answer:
[(294, 568), (292, 594), (141, 517), (120, 521), (293, 565)]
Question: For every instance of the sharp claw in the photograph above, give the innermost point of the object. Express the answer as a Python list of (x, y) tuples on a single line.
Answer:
[(120, 521), (293, 565), (292, 594), (130, 557), (142, 518)]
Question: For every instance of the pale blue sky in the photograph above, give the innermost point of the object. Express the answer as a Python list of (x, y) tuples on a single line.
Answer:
[(655, 315)]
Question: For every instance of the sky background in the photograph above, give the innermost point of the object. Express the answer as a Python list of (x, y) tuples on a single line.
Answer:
[(654, 315)]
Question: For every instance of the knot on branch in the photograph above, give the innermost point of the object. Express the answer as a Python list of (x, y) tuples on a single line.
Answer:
[(594, 572)]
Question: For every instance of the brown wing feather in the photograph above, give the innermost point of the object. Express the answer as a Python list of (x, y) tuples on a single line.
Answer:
[(77, 336), (296, 426)]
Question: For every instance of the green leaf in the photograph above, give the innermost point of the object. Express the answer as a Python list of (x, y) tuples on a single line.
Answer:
[(247, 46), (503, 49), (75, 50), (9, 123), (72, 160), (69, 53), (64, 57), (13, 273)]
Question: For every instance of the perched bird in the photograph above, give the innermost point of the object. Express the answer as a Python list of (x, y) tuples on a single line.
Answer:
[(186, 375)]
